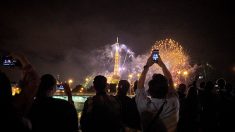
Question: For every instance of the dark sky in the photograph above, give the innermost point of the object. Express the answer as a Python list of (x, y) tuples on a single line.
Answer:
[(52, 32)]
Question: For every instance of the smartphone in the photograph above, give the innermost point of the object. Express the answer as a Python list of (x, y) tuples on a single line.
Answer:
[(59, 87), (155, 54), (200, 77), (8, 61)]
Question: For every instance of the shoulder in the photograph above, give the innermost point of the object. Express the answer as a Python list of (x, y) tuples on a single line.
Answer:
[(113, 98), (173, 102), (89, 99), (64, 103), (173, 97), (140, 91)]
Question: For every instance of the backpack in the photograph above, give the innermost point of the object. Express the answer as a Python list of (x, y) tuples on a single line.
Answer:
[(151, 122)]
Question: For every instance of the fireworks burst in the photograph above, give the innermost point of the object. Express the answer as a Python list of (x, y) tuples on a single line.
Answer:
[(171, 52), (175, 58)]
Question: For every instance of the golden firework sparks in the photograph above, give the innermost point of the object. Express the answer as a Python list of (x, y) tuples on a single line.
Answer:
[(176, 60)]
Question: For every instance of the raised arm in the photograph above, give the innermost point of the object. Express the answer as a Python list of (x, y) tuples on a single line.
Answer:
[(142, 78), (68, 93), (167, 74), (29, 85)]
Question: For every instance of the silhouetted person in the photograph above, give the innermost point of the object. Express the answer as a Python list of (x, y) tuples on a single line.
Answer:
[(50, 114), (221, 85), (14, 109), (209, 108), (181, 92), (129, 110), (136, 116), (101, 113), (160, 112), (10, 119), (226, 107), (189, 120)]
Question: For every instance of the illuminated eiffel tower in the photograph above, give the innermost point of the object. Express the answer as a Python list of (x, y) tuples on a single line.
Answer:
[(116, 71)]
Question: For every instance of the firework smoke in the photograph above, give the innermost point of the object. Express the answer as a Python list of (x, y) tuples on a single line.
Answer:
[(171, 52)]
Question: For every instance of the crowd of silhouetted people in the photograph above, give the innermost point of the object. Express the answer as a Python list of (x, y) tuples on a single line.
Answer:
[(158, 107)]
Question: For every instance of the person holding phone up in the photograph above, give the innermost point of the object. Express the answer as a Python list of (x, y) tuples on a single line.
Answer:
[(160, 111)]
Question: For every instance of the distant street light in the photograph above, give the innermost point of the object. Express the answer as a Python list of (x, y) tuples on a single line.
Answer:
[(70, 81), (185, 74), (130, 76), (138, 75)]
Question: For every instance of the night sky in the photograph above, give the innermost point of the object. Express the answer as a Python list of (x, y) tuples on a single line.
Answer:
[(59, 36)]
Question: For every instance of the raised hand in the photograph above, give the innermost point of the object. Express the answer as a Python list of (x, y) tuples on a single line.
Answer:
[(68, 92), (160, 62), (150, 62), (20, 57)]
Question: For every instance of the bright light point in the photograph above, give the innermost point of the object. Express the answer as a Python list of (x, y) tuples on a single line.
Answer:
[(185, 73), (175, 85), (130, 75), (70, 81), (138, 75), (87, 79), (179, 72)]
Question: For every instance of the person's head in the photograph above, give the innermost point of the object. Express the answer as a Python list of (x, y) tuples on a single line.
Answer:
[(229, 87), (182, 88), (46, 86), (221, 83), (100, 83), (5, 88), (123, 87), (158, 86), (209, 86), (202, 85), (192, 93)]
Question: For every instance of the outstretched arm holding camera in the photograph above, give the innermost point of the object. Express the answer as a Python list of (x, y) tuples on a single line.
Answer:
[(166, 73), (142, 78), (162, 97), (29, 84), (68, 93)]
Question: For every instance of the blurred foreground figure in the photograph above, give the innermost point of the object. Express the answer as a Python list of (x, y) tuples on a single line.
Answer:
[(50, 114), (101, 113), (14, 109)]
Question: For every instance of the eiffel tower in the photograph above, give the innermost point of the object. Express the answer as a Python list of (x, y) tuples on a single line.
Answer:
[(116, 71)]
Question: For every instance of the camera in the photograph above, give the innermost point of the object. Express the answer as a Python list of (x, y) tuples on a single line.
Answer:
[(9, 61), (155, 55), (59, 87)]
